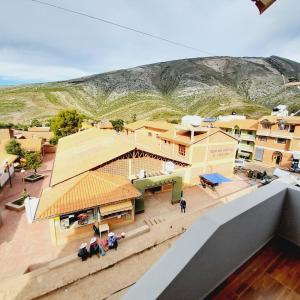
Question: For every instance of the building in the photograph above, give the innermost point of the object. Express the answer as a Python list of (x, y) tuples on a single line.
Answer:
[(278, 140), (42, 133), (32, 145), (105, 125), (245, 131), (98, 160), (77, 204), (246, 249), (205, 150)]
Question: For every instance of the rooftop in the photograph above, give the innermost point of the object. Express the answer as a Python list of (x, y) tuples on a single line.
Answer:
[(31, 144), (288, 119), (87, 190), (246, 124), (88, 149), (161, 125)]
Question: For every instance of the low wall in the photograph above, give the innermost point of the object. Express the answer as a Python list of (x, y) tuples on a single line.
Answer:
[(290, 220), (214, 247)]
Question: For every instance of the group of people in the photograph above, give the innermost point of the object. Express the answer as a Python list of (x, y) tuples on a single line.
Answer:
[(99, 249)]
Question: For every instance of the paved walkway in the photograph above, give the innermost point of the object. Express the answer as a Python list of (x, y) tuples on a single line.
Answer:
[(49, 280), (28, 246)]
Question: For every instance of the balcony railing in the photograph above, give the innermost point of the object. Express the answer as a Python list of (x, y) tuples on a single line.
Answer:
[(264, 132), (245, 147), (247, 137), (281, 134)]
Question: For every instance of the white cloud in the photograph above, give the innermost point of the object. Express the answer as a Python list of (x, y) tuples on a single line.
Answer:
[(18, 71), (48, 44)]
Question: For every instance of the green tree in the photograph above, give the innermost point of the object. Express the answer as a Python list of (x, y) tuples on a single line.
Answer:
[(33, 160), (36, 123), (13, 147), (118, 124), (66, 122), (133, 118)]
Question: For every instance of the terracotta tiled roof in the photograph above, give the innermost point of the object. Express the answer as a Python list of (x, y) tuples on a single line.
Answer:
[(247, 124), (34, 144), (185, 140), (161, 125), (275, 119), (87, 190)]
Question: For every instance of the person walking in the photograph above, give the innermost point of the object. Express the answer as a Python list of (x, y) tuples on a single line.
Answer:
[(182, 204)]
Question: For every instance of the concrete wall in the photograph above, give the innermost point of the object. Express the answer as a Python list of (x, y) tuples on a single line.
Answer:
[(290, 220), (214, 247)]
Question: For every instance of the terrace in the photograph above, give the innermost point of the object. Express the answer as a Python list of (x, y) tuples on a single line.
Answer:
[(226, 238)]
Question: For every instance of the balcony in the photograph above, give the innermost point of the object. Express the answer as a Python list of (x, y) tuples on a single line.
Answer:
[(226, 238), (247, 148), (247, 137), (264, 132), (284, 134), (281, 134)]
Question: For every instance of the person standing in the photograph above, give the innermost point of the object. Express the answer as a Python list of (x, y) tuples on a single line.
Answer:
[(182, 205)]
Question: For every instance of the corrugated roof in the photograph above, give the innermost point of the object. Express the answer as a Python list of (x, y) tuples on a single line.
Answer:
[(34, 144), (247, 124), (87, 190), (113, 208), (161, 125)]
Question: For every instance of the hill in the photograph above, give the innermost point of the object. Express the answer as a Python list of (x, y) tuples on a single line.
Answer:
[(206, 86)]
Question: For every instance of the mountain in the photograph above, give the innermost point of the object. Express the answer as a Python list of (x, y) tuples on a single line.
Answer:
[(207, 86)]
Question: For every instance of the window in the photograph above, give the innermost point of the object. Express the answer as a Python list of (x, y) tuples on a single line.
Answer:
[(262, 138), (77, 219), (250, 132), (266, 125), (181, 150), (149, 133), (292, 128), (282, 126), (281, 141)]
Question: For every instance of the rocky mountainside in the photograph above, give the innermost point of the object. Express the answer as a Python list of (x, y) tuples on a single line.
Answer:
[(205, 86)]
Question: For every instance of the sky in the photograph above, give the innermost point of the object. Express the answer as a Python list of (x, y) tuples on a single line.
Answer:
[(41, 44)]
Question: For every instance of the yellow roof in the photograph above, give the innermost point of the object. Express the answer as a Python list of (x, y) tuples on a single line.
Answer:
[(4, 156), (33, 134), (39, 129), (247, 124), (161, 125), (85, 150), (88, 149), (32, 145), (87, 190)]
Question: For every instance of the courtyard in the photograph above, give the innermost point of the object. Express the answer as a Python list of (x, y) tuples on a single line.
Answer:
[(26, 247)]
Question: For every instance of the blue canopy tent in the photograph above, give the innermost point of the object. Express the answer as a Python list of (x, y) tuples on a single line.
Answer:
[(213, 179)]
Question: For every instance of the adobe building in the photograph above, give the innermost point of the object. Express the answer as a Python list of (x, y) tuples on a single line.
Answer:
[(278, 140)]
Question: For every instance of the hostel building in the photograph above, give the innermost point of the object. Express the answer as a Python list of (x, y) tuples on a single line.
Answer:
[(245, 131), (97, 174), (278, 140)]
